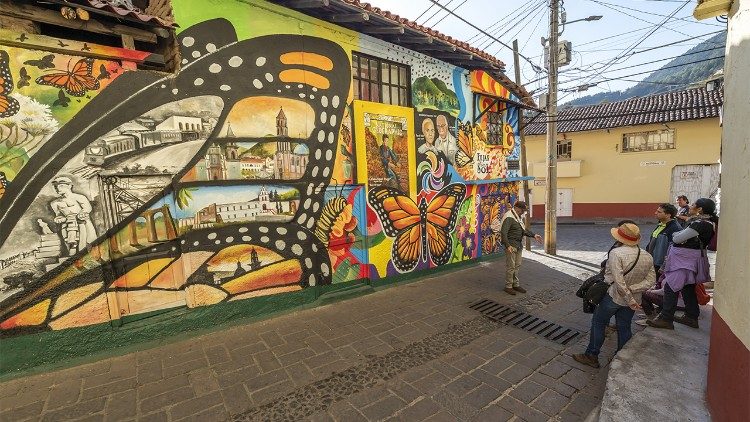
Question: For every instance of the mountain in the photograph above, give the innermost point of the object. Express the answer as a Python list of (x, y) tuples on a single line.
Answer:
[(693, 66)]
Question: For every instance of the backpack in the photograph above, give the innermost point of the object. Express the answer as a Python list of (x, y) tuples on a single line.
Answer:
[(714, 239)]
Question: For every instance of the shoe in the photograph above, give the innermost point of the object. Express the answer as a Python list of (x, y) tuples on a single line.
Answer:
[(642, 322), (686, 320), (510, 291), (660, 323), (585, 359), (612, 327), (519, 289)]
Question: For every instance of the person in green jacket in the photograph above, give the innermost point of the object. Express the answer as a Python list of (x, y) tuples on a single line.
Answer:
[(512, 232)]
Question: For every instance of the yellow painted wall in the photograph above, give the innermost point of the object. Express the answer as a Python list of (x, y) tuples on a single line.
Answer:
[(610, 176)]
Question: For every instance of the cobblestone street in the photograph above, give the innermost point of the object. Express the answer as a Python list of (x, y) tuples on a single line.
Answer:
[(411, 352)]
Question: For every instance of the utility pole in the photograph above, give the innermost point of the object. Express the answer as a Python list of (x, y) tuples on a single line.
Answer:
[(524, 170), (550, 203)]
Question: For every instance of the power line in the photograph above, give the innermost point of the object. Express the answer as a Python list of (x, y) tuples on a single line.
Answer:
[(482, 31), (633, 46), (511, 19), (647, 71), (436, 12), (507, 17), (603, 3), (445, 16), (424, 12)]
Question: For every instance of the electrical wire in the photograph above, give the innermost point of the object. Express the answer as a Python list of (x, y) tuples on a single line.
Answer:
[(481, 30), (437, 12), (652, 13), (509, 16)]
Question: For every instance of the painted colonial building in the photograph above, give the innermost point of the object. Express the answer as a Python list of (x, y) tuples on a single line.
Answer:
[(349, 116), (622, 159)]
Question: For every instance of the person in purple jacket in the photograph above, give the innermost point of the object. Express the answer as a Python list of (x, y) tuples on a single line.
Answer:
[(681, 267)]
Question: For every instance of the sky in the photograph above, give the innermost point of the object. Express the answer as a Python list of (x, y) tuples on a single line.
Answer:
[(631, 25)]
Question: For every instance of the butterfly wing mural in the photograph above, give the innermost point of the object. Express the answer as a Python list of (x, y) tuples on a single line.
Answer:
[(216, 65)]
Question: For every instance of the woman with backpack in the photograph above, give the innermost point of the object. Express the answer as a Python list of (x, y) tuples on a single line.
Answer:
[(687, 265)]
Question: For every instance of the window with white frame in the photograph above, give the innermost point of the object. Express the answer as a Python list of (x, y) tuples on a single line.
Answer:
[(564, 149), (653, 140)]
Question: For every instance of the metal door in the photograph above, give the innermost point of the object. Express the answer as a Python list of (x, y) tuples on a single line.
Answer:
[(695, 181), (564, 202)]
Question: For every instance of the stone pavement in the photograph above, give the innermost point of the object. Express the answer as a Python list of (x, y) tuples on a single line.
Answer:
[(410, 352)]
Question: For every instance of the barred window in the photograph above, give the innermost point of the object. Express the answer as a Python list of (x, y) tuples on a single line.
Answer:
[(380, 81), (648, 141), (564, 149), (494, 128)]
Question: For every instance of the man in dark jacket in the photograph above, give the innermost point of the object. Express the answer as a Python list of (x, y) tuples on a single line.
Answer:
[(661, 236), (511, 235)]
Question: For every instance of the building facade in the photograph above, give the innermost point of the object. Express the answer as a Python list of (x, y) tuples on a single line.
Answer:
[(623, 159), (355, 126)]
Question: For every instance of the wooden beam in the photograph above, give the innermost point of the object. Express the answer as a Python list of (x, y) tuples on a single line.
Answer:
[(386, 30), (415, 39), (350, 17), (307, 4), (454, 56), (77, 48), (439, 47), (100, 11), (48, 16)]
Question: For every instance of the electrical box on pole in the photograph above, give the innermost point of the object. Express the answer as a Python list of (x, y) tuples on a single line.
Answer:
[(564, 53)]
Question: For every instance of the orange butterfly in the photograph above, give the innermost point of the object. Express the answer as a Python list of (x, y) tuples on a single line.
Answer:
[(418, 229), (8, 105), (75, 81), (465, 153)]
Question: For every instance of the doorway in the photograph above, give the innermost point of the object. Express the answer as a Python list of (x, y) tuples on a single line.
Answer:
[(564, 202)]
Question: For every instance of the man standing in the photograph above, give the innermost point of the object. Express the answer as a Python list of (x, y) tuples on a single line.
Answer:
[(389, 159), (511, 234), (73, 214), (445, 142), (661, 237), (684, 210)]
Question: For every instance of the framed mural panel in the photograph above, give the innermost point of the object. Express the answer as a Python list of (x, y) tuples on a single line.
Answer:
[(385, 146)]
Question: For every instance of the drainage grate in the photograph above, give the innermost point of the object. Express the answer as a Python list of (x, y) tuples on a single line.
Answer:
[(510, 316)]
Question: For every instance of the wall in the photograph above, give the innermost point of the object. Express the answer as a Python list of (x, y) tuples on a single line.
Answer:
[(251, 175), (615, 184), (729, 354)]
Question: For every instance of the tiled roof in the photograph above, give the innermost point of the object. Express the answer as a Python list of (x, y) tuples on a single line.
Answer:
[(120, 8), (383, 19), (690, 104)]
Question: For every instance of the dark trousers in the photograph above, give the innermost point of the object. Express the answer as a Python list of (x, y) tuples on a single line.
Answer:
[(670, 302), (604, 311)]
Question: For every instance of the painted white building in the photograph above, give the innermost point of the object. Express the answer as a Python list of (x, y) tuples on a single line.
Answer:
[(182, 124)]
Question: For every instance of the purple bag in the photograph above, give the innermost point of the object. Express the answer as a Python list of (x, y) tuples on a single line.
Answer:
[(703, 269)]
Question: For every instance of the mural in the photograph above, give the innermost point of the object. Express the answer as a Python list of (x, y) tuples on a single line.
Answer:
[(494, 199), (250, 172), (147, 114)]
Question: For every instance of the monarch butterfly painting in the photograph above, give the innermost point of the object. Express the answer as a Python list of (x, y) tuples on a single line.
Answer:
[(418, 230), (75, 81), (8, 105), (465, 153)]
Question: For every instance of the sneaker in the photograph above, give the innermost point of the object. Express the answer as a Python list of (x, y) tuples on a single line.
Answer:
[(510, 291), (519, 289), (660, 323), (588, 360), (686, 320), (642, 322)]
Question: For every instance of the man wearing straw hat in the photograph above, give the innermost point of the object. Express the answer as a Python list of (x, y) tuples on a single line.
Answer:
[(629, 271)]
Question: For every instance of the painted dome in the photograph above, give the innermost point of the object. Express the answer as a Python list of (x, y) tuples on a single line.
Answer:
[(301, 149)]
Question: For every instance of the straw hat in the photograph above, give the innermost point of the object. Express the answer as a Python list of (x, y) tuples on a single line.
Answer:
[(627, 234)]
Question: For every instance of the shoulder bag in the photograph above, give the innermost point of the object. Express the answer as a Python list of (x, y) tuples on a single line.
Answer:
[(596, 292)]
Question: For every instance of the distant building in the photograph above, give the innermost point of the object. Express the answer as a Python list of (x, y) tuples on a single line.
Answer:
[(288, 163), (266, 204)]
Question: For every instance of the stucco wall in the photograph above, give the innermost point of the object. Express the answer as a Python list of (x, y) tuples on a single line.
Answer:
[(608, 176), (136, 199)]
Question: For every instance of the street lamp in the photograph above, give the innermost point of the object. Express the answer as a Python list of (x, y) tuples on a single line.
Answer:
[(550, 202)]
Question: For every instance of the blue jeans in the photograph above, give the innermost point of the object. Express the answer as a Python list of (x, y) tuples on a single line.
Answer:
[(600, 319)]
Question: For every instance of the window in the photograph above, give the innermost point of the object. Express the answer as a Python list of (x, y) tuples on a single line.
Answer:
[(380, 80), (494, 128), (648, 141), (564, 149)]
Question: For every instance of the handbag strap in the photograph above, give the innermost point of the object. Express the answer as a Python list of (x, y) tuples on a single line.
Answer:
[(634, 262)]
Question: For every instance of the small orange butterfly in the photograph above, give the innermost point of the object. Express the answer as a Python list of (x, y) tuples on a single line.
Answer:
[(8, 105), (421, 229), (75, 81)]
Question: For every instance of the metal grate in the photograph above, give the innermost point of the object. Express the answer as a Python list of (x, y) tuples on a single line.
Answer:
[(510, 316)]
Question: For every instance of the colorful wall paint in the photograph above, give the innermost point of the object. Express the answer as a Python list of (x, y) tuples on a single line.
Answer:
[(251, 172)]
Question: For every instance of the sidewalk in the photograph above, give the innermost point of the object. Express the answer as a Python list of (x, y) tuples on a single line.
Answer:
[(410, 352)]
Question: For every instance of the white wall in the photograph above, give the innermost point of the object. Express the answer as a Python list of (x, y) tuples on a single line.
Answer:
[(732, 298)]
